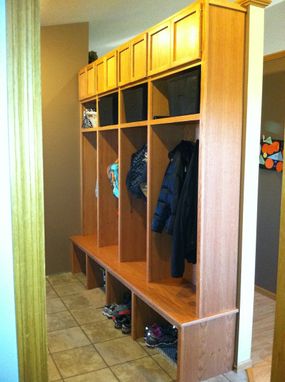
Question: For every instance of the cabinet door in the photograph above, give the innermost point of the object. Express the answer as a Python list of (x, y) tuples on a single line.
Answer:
[(124, 64), (90, 80), (111, 70), (100, 75), (186, 36), (82, 83), (139, 57), (159, 48)]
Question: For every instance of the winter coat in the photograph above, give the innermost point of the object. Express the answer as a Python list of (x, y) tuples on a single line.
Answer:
[(185, 226), (165, 212), (137, 174)]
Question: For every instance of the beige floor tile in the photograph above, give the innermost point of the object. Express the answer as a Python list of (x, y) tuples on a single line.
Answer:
[(100, 332), (166, 364), (236, 377), (50, 293), (220, 378), (87, 315), (120, 350), (104, 375), (88, 298), (78, 361), (141, 370), (61, 278), (68, 289), (66, 339), (60, 320), (81, 277), (150, 351), (55, 305), (53, 374)]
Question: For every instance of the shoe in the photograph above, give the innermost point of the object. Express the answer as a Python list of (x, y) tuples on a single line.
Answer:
[(160, 336), (121, 310), (108, 310), (127, 326), (119, 321)]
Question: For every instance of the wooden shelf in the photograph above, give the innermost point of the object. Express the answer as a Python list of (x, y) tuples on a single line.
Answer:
[(174, 299), (178, 119), (88, 129), (109, 127), (126, 125)]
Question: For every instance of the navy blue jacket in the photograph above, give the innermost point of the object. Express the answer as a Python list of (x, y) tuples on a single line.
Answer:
[(165, 212)]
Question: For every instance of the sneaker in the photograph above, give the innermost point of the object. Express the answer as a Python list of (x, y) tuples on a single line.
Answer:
[(127, 326), (121, 310), (108, 310), (119, 321), (160, 336)]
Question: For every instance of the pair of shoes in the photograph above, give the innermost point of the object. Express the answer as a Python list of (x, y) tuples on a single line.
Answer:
[(116, 310), (156, 335), (123, 323)]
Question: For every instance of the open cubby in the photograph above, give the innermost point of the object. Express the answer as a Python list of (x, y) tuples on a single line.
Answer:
[(89, 183), (92, 121), (134, 103), (177, 95), (107, 202), (108, 110), (132, 216), (163, 139), (115, 291)]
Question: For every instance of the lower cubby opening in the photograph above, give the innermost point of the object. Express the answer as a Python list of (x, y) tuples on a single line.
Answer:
[(78, 260), (162, 140), (153, 330), (132, 202)]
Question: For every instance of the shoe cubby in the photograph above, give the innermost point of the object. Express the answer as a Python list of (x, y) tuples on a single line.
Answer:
[(132, 210), (78, 260), (176, 95), (163, 139), (134, 104), (108, 110), (89, 183), (116, 291), (107, 202)]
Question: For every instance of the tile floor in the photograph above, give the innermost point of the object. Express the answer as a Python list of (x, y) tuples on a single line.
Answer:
[(84, 346)]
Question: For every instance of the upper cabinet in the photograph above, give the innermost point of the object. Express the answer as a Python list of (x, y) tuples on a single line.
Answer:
[(111, 70), (90, 80), (186, 36), (124, 64), (159, 48), (82, 81), (139, 57), (173, 42)]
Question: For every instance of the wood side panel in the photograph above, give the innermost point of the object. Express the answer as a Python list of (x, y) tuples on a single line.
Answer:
[(220, 158), (132, 211), (206, 350), (107, 202), (89, 178), (78, 260), (82, 78), (115, 290), (94, 274)]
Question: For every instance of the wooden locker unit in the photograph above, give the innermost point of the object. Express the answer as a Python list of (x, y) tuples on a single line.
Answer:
[(91, 80), (117, 234)]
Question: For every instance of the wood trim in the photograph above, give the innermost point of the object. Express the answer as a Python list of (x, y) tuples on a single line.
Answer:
[(256, 3), (265, 292), (26, 166), (250, 375), (274, 56), (226, 4)]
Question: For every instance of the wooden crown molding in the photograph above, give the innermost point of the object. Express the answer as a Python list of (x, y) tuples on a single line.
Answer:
[(257, 3), (274, 56)]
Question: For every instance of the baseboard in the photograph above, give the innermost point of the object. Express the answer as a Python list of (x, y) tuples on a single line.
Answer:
[(243, 365), (265, 292)]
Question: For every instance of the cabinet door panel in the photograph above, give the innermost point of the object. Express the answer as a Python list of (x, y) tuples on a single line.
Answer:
[(139, 57), (111, 70), (186, 36), (90, 80), (159, 48), (100, 75), (82, 83), (124, 64)]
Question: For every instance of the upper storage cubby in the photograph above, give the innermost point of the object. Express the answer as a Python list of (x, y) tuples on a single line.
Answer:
[(108, 110), (89, 119), (134, 104), (177, 95)]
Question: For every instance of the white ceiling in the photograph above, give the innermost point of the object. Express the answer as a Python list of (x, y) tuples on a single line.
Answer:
[(111, 22)]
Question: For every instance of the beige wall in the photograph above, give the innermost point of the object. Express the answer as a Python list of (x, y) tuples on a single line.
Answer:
[(64, 49)]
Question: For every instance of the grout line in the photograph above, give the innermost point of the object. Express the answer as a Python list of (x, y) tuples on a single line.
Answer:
[(56, 366), (162, 367), (131, 360), (75, 347), (82, 374)]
